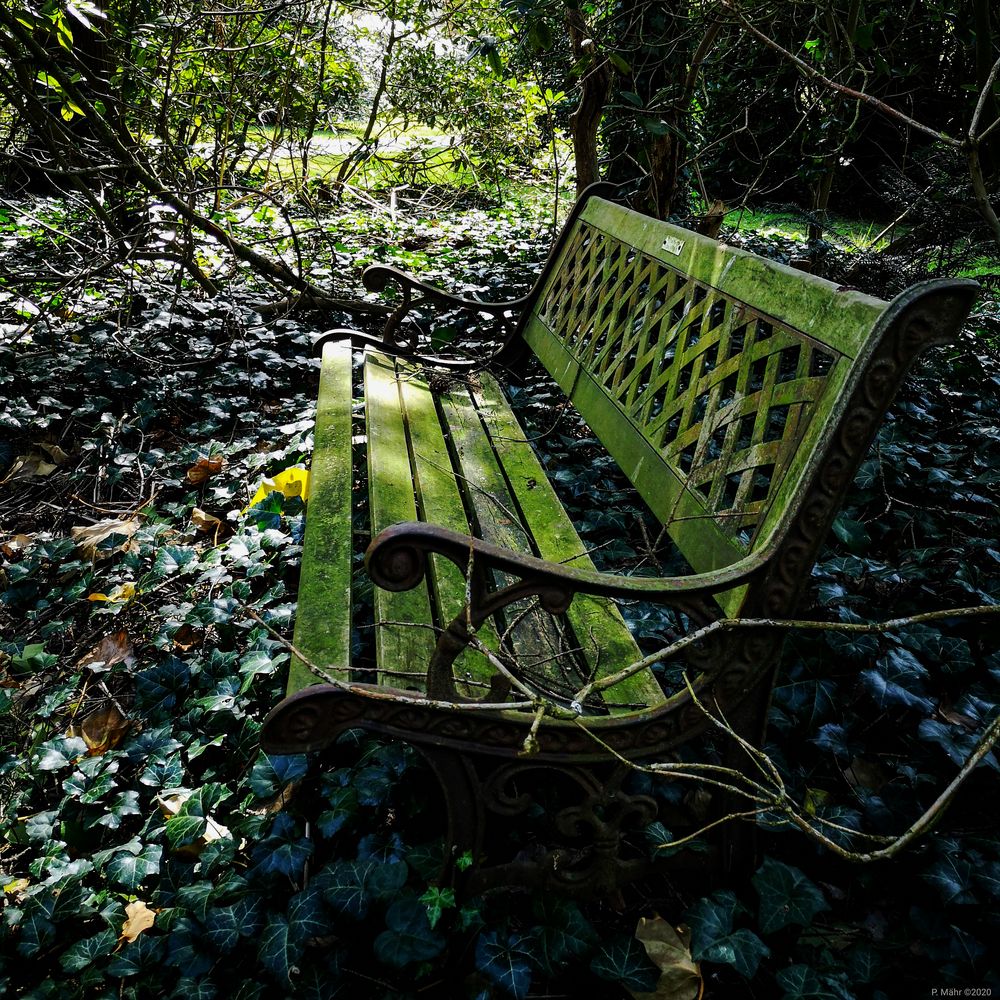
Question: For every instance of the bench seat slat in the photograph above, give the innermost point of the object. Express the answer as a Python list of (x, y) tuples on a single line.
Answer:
[(537, 640), (440, 502), (399, 648), (603, 636), (323, 619)]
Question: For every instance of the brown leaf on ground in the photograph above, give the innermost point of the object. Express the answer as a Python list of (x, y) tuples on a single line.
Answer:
[(14, 546), (187, 637), (862, 773), (55, 453), (112, 649), (670, 949), (957, 718), (203, 469), (30, 466), (90, 539), (104, 729), (207, 523), (138, 918)]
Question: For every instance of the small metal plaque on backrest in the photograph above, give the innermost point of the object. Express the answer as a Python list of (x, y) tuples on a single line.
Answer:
[(672, 245)]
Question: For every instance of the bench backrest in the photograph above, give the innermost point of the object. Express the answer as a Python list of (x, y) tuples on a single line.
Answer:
[(715, 378)]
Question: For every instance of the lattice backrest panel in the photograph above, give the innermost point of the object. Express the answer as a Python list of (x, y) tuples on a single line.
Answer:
[(721, 392)]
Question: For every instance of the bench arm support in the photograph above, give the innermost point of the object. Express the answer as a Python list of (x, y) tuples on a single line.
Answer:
[(397, 560), (378, 276)]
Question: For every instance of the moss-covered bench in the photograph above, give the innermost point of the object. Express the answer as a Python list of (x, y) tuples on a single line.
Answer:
[(737, 395)]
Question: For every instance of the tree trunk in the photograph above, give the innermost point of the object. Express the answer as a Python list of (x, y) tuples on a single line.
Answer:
[(594, 89)]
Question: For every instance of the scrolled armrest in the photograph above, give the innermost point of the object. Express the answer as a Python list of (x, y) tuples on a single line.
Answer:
[(397, 560), (377, 276)]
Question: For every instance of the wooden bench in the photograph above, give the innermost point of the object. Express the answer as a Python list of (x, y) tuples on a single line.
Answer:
[(737, 395)]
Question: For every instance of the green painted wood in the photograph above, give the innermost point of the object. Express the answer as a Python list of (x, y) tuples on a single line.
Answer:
[(538, 647), (695, 532), (440, 502), (403, 647), (600, 632), (323, 615), (842, 319)]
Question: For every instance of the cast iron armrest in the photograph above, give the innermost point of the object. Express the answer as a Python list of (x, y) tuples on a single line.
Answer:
[(378, 276), (397, 560)]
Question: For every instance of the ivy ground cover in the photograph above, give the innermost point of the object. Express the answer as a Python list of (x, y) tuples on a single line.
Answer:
[(149, 848)]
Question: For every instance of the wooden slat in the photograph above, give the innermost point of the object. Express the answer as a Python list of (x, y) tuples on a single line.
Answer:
[(399, 648), (440, 502), (600, 631), (323, 618), (538, 647)]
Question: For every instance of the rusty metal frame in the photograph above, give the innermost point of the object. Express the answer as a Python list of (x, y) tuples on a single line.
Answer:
[(475, 753)]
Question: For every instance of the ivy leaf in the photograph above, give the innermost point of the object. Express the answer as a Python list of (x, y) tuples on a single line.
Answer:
[(710, 919), (742, 949), (343, 887), (800, 982), (787, 896), (160, 686), (196, 896), (278, 951), (624, 961), (437, 900), (343, 808), (171, 559), (54, 755), (563, 933), (222, 928), (506, 961), (384, 881), (270, 774), (131, 866), (952, 875), (195, 989), (307, 915), (184, 830), (957, 743), (284, 852), (37, 931), (409, 937), (898, 679), (185, 948), (83, 953), (713, 938), (146, 952)]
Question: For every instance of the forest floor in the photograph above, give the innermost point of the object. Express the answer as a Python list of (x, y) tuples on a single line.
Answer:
[(140, 826)]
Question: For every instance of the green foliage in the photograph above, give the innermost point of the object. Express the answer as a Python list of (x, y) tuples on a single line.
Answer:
[(304, 876)]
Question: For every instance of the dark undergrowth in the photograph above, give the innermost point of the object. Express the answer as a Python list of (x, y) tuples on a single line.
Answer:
[(146, 840)]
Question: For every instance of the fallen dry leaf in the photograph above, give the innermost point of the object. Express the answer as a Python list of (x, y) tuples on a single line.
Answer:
[(29, 466), (670, 949), (122, 594), (103, 730), (112, 649), (187, 637), (203, 469), (90, 538), (207, 523), (138, 918), (55, 453), (862, 773), (957, 718), (15, 545)]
